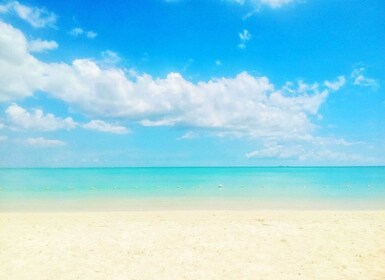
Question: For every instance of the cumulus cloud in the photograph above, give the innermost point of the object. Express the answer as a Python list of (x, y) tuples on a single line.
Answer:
[(360, 80), (36, 17), (39, 45), (336, 85), (102, 126), (77, 31), (241, 105), (245, 103), (19, 118), (44, 143), (20, 73)]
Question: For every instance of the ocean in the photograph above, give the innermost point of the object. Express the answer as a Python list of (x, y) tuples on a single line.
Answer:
[(265, 187)]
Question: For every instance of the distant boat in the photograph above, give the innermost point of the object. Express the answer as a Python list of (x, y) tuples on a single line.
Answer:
[(220, 186)]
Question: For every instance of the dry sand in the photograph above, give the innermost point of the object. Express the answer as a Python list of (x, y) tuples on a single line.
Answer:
[(193, 245)]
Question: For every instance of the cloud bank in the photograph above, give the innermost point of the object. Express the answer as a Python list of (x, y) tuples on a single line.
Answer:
[(241, 105)]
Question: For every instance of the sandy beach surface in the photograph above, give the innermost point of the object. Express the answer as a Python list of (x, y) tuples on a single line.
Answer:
[(193, 245)]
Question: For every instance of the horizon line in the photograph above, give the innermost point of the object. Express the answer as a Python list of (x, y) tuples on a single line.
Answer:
[(188, 166)]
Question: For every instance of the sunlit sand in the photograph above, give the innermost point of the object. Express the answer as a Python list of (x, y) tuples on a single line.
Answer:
[(193, 245)]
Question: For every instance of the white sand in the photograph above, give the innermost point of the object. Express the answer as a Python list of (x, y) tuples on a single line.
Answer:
[(193, 245)]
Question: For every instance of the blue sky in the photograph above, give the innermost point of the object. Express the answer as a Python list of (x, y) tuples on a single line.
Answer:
[(192, 83)]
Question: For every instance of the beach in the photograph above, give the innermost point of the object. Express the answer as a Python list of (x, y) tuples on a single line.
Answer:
[(193, 244), (193, 223), (192, 140)]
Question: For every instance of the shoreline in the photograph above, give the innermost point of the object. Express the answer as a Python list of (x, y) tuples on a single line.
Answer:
[(114, 204)]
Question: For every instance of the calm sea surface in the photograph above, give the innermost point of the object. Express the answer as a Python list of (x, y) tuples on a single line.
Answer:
[(339, 184)]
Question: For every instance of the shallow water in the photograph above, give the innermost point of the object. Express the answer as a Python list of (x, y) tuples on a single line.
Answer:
[(339, 184)]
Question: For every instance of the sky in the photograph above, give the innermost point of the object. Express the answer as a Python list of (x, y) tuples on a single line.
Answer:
[(192, 83)]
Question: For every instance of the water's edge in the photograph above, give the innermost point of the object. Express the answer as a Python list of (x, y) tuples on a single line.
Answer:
[(192, 188)]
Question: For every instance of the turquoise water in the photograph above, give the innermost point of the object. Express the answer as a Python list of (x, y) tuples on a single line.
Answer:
[(366, 184)]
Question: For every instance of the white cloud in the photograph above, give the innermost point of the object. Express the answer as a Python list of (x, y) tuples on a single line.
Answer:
[(244, 103), (19, 118), (274, 150), (20, 73), (91, 34), (187, 65), (240, 105), (257, 4), (77, 31), (304, 87), (218, 62), (245, 36), (336, 85), (274, 3), (188, 135), (37, 17), (102, 126), (110, 58), (165, 122), (331, 156), (41, 45), (44, 143), (308, 148), (2, 138), (360, 80)]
